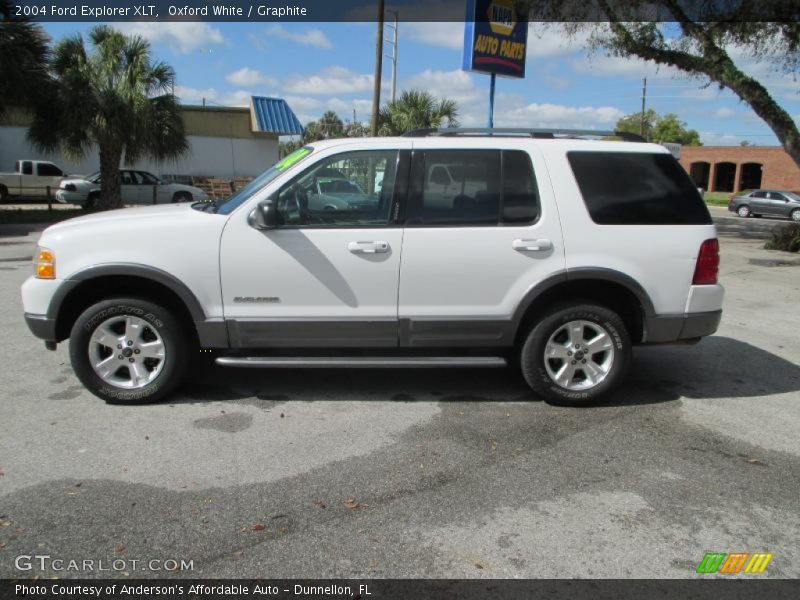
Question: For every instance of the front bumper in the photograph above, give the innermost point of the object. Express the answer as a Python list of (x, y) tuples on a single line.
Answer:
[(42, 327), (65, 197)]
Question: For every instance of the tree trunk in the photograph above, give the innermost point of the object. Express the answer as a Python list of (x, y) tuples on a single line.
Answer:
[(110, 192)]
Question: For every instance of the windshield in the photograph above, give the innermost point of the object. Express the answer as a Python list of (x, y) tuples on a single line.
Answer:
[(227, 206)]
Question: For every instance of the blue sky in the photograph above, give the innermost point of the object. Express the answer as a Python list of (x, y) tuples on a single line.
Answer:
[(328, 66)]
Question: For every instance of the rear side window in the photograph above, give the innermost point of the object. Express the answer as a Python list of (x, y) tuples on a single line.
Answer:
[(634, 188), (472, 188), (48, 170)]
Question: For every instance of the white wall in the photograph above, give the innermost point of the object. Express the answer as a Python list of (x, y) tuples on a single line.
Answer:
[(208, 156)]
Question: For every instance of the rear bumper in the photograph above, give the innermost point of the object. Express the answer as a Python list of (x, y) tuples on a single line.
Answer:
[(41, 326), (662, 329)]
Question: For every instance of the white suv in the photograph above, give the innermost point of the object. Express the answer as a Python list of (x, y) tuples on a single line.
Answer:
[(556, 254)]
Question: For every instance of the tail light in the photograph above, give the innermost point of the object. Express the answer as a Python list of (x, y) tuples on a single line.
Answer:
[(707, 267)]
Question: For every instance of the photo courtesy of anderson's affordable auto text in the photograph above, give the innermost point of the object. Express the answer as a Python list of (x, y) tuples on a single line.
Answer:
[(377, 299)]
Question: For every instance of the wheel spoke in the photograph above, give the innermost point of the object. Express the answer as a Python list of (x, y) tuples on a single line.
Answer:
[(105, 368), (555, 350), (575, 333), (565, 374), (133, 328), (105, 337), (600, 342), (152, 349), (594, 374), (138, 373)]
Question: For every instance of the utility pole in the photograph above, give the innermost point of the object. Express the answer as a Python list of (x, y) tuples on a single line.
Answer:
[(393, 55), (376, 92), (644, 102)]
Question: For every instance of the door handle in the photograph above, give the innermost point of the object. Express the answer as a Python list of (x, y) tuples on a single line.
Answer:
[(368, 247), (532, 245)]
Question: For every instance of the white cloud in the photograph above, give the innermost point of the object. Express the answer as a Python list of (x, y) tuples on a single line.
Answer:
[(246, 77), (511, 112), (725, 113), (620, 66), (308, 37), (444, 35), (450, 84), (329, 81), (183, 36), (214, 97)]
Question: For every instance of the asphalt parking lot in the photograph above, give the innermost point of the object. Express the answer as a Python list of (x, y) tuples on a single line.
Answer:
[(418, 473)]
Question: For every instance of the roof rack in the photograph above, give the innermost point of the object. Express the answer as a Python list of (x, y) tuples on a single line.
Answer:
[(534, 133)]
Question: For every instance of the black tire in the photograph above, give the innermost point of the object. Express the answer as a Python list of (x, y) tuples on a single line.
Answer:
[(159, 322), (533, 362), (181, 197), (744, 211)]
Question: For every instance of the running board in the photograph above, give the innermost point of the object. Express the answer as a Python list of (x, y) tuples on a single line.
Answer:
[(357, 362)]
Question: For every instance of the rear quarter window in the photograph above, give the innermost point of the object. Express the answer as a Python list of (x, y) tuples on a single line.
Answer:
[(635, 188)]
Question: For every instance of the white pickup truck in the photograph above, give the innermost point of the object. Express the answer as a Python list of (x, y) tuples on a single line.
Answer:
[(30, 179)]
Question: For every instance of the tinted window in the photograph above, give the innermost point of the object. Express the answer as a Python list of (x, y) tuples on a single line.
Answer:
[(47, 170), (468, 187), (146, 178), (626, 188), (340, 191), (520, 192), (455, 187)]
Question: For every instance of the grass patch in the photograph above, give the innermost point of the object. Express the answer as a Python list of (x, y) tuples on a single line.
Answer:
[(717, 198), (25, 216)]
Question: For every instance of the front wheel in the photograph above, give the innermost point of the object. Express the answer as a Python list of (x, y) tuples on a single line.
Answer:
[(128, 351), (576, 354)]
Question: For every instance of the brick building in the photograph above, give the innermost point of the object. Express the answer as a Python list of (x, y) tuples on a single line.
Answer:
[(737, 168)]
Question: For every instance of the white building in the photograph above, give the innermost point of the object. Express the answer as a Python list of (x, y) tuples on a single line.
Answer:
[(224, 142)]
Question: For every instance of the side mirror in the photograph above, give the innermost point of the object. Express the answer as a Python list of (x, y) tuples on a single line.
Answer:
[(265, 215)]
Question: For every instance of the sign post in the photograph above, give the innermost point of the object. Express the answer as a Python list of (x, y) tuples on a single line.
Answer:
[(495, 42)]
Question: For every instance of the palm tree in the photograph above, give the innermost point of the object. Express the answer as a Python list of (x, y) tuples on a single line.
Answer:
[(24, 56), (416, 109), (112, 96)]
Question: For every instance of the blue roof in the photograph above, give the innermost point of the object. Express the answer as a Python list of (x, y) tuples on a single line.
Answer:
[(273, 115)]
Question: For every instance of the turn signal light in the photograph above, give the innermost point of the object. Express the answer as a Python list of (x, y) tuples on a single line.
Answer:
[(45, 264)]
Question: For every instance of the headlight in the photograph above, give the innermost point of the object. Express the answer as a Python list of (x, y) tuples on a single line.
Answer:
[(45, 264)]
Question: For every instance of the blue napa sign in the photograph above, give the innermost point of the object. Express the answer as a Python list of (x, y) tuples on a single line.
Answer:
[(495, 38)]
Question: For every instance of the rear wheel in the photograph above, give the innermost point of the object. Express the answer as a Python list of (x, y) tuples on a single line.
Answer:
[(743, 211), (129, 350), (576, 354)]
